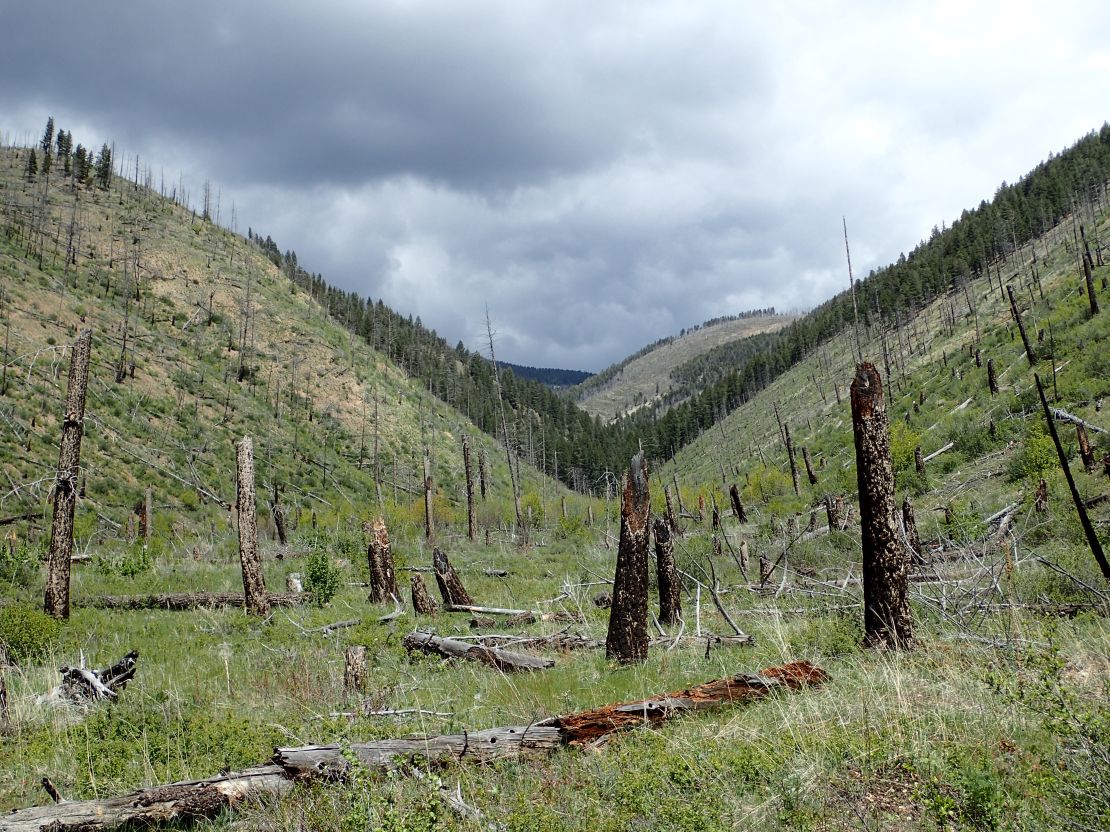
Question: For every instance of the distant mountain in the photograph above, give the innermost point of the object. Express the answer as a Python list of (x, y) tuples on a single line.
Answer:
[(548, 375)]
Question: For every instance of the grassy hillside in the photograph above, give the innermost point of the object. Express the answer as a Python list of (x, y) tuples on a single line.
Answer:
[(214, 343), (997, 720), (646, 377)]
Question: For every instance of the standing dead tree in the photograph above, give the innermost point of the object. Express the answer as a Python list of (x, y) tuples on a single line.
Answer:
[(1030, 353), (888, 621), (1080, 508), (809, 466), (65, 489), (429, 493), (627, 637), (992, 377), (422, 601), (471, 511), (670, 590), (1088, 277), (254, 584)]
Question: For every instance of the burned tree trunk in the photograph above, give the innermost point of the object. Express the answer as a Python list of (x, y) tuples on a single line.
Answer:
[(627, 637), (737, 506), (888, 621), (254, 585), (992, 377), (919, 461), (1085, 452), (422, 602), (379, 557), (483, 471), (1084, 520), (56, 601), (1030, 353), (909, 523), (672, 518), (450, 584), (279, 523), (146, 521), (1040, 497), (670, 591), (793, 461), (471, 512), (355, 674), (1088, 277), (834, 510), (809, 467), (429, 490)]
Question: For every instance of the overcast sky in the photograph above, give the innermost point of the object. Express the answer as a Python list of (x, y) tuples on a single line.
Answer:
[(598, 174)]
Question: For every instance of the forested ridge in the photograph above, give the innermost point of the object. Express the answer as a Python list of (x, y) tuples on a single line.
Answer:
[(564, 441)]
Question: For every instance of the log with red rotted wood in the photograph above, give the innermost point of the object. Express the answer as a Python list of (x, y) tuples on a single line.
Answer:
[(196, 799)]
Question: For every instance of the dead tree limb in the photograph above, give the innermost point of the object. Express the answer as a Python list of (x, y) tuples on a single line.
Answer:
[(504, 660)]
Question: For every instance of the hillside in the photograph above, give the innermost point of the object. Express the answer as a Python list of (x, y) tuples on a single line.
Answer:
[(551, 376), (198, 339), (646, 377)]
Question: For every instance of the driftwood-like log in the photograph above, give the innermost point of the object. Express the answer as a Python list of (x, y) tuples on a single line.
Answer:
[(450, 584), (422, 602), (627, 638), (197, 799), (503, 660), (1061, 415), (82, 686), (888, 620), (64, 492), (943, 449), (178, 601)]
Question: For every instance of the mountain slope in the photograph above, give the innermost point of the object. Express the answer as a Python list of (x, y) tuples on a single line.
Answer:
[(210, 341), (645, 376)]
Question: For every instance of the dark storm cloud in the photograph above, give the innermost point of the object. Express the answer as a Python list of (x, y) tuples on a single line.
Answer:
[(598, 175)]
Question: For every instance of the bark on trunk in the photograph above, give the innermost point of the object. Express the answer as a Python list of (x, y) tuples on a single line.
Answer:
[(888, 621), (279, 523), (56, 601), (429, 489), (627, 638), (809, 467), (504, 660), (918, 461), (793, 461), (992, 377), (737, 506), (1088, 277), (254, 584), (483, 471), (834, 510), (1030, 353), (379, 557), (422, 601), (450, 584), (471, 510), (1085, 452), (909, 523), (670, 591), (355, 674), (1040, 497)]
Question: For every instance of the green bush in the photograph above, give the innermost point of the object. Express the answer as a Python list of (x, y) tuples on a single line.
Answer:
[(1036, 458), (322, 578), (27, 633)]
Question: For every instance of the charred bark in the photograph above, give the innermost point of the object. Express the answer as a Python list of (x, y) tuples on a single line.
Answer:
[(737, 506), (379, 557), (670, 590), (56, 602), (450, 584), (422, 601), (471, 511), (992, 377), (627, 637), (793, 461), (809, 466), (888, 621), (1030, 353), (909, 523)]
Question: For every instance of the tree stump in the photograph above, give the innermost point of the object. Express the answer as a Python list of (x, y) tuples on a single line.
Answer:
[(809, 466), (422, 602), (670, 591), (737, 506), (355, 675), (888, 621), (450, 584), (909, 523), (1040, 497), (627, 637), (254, 584), (379, 558)]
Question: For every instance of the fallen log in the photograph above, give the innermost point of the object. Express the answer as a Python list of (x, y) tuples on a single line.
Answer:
[(179, 601), (82, 686), (488, 610), (939, 451), (1061, 415), (503, 660), (195, 799)]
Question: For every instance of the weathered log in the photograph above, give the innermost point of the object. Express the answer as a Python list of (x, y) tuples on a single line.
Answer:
[(1061, 415), (422, 602), (82, 686), (477, 608), (197, 799), (254, 583), (178, 601), (627, 638), (64, 492), (503, 660), (450, 584), (943, 449), (670, 590), (888, 621)]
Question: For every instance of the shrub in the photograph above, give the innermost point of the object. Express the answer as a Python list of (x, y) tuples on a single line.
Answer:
[(903, 441), (322, 578), (1036, 458), (27, 633)]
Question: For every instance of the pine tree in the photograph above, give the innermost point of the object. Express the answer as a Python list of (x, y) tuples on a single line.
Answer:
[(32, 165), (104, 167), (48, 138)]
